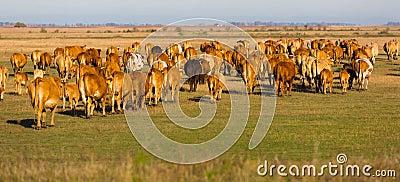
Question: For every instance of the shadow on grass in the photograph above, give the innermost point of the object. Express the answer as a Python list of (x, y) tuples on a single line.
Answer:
[(27, 123), (392, 74)]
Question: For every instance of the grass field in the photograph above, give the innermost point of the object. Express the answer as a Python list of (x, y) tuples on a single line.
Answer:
[(308, 128)]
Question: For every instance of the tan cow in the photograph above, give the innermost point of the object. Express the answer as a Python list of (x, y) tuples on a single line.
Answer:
[(136, 47), (74, 51), (316, 68), (18, 61), (57, 51), (45, 61), (148, 48), (111, 67), (112, 49), (83, 58), (173, 49), (44, 94), (172, 84), (155, 81), (344, 77), (392, 49), (190, 53), (71, 91), (215, 83), (326, 78), (20, 79), (364, 69), (93, 88), (113, 57), (117, 83), (138, 89), (3, 80), (35, 57), (63, 65)]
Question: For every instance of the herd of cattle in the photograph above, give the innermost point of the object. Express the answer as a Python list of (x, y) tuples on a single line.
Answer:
[(82, 75)]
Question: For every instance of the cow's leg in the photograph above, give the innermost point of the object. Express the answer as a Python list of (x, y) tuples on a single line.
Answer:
[(103, 106), (366, 83), (88, 107), (112, 103), (53, 111), (63, 106), (39, 115), (119, 101), (291, 86), (44, 115)]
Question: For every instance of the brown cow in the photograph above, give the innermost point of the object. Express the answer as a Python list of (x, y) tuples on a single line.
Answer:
[(154, 81), (20, 79), (57, 51), (193, 69), (364, 69), (113, 57), (116, 91), (138, 89), (44, 94), (74, 51), (111, 67), (148, 48), (344, 77), (83, 69), (93, 88), (215, 85), (284, 73), (136, 47), (179, 60), (71, 91), (190, 53), (97, 62), (45, 61), (63, 65), (173, 49), (3, 79), (18, 61), (83, 58), (392, 49), (172, 84), (326, 78), (35, 57), (112, 49)]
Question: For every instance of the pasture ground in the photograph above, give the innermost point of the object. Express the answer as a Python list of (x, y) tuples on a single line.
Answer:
[(308, 128)]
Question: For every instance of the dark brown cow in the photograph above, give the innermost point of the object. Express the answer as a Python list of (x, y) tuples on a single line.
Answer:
[(193, 69), (18, 61), (284, 74)]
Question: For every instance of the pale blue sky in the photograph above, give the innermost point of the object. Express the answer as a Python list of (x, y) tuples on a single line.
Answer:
[(365, 12)]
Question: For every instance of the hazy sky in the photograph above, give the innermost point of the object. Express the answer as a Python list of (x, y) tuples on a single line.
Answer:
[(365, 12)]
